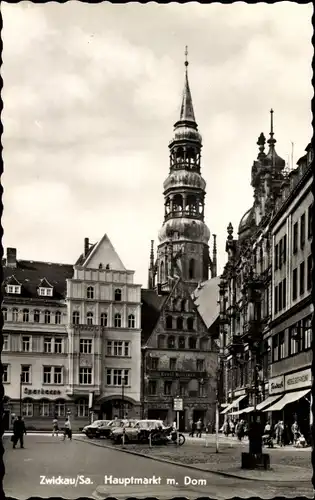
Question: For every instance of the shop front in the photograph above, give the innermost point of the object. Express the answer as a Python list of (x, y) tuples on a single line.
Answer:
[(116, 406)]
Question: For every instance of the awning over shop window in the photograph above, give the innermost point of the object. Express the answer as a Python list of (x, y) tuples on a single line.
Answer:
[(268, 401), (246, 410), (290, 397), (232, 405)]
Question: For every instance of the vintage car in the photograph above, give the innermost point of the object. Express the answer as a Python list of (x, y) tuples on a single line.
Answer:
[(106, 430), (117, 433), (140, 430), (90, 430)]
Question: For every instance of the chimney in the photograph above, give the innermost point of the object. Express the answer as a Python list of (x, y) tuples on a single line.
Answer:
[(214, 259), (86, 246), (11, 257)]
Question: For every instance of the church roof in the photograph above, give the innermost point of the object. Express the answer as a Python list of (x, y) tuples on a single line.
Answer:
[(152, 304), (206, 298)]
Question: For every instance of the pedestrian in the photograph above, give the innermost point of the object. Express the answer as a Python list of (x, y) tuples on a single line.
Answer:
[(19, 430), (295, 432), (267, 430), (192, 428), (279, 428), (232, 428), (55, 430), (199, 427), (240, 430), (67, 430)]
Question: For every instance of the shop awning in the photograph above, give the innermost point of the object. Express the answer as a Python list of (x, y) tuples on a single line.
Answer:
[(246, 410), (232, 405), (290, 397), (268, 401)]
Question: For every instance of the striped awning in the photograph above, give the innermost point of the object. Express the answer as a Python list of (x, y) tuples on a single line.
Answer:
[(233, 405)]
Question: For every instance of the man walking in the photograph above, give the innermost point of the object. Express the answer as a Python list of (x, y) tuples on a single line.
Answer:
[(55, 431), (68, 430), (18, 432), (199, 428)]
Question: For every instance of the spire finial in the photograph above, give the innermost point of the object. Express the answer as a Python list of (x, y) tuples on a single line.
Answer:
[(187, 110), (186, 56), (261, 143), (271, 141)]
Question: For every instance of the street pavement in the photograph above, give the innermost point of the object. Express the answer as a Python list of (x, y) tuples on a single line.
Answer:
[(93, 470)]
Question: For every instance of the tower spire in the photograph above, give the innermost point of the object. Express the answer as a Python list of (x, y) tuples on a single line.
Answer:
[(187, 110), (272, 141)]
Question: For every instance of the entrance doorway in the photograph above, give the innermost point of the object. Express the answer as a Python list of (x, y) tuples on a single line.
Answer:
[(115, 408), (200, 414), (6, 420)]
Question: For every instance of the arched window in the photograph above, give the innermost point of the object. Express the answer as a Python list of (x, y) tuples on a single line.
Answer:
[(179, 323), (167, 206), (117, 295), (44, 408), (177, 203), (15, 314), (27, 408), (36, 316), (82, 408), (191, 269), (5, 313), (161, 341), (131, 321), (171, 342), (75, 317), (58, 318), (190, 323), (117, 320), (181, 343), (26, 315), (183, 305), (192, 343), (169, 322), (90, 292), (60, 408), (103, 319), (47, 317), (162, 275), (89, 318)]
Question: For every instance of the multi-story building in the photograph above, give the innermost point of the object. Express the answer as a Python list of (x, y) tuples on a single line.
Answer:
[(179, 355), (71, 338), (265, 306)]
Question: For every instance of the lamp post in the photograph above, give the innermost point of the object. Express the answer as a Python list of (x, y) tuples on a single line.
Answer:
[(21, 383), (123, 398), (143, 372)]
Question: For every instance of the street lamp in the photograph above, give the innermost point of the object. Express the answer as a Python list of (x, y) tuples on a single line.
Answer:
[(21, 383), (143, 377)]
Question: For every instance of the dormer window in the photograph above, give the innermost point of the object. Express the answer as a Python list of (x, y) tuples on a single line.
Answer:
[(45, 292), (13, 289)]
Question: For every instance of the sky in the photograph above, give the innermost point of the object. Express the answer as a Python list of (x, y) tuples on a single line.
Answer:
[(91, 94)]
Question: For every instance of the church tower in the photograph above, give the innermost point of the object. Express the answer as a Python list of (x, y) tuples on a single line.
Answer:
[(183, 249)]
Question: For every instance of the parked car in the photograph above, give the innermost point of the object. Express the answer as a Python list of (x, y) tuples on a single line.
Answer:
[(106, 430), (141, 429), (90, 430), (117, 433)]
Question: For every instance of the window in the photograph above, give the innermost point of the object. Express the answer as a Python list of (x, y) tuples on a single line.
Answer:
[(171, 342), (14, 289), (307, 333), (276, 299), (47, 373), (181, 343), (27, 409), (26, 374), (85, 376), (26, 343), (294, 340), (280, 296), (117, 295), (44, 409), (302, 231), (36, 316), (152, 387), (89, 318), (154, 363), (190, 323), (173, 364), (117, 377), (58, 375), (302, 278), (58, 318), (294, 284), (281, 345), (5, 376), (276, 257), (183, 389), (310, 221), (183, 305), (295, 237), (5, 314), (83, 408), (117, 320), (275, 348), (284, 293), (5, 346), (47, 344), (167, 388), (169, 322), (58, 345), (200, 365), (15, 314), (280, 253), (47, 317), (45, 291), (309, 271), (90, 292), (192, 343), (76, 317), (161, 341), (26, 315), (284, 249), (86, 346), (131, 321), (179, 323), (104, 319), (191, 269), (118, 348), (60, 409)]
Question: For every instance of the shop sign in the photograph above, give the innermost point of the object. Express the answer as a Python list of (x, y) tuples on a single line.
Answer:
[(240, 392), (276, 385), (298, 380), (178, 404), (46, 392)]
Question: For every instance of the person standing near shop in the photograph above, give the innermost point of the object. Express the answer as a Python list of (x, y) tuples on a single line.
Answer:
[(19, 430), (67, 430), (295, 431), (199, 428)]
